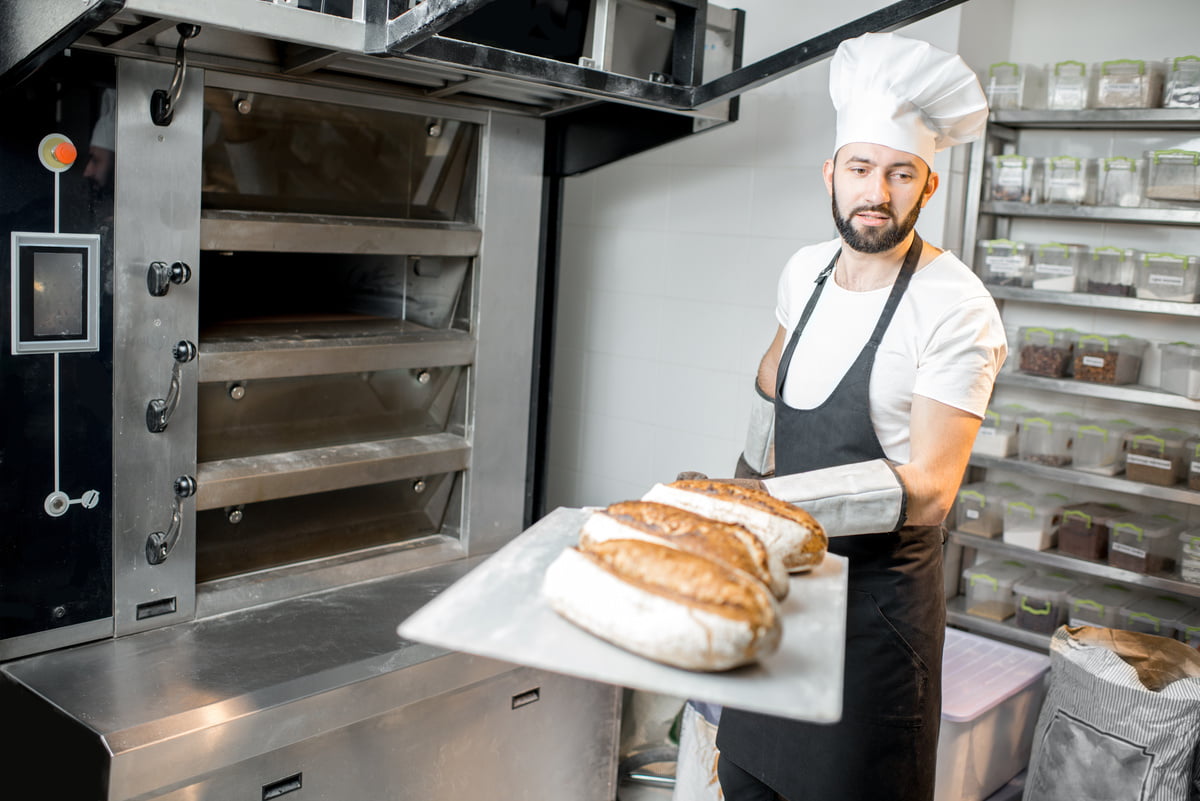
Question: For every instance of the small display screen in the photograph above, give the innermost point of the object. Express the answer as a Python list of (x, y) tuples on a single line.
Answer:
[(55, 296), (58, 294)]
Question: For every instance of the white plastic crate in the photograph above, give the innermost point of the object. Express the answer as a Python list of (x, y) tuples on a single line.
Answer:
[(991, 695)]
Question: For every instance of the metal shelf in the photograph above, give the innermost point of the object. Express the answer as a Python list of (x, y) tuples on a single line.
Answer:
[(1132, 393), (1095, 301), (1080, 478), (956, 615), (1152, 119), (1069, 211), (1075, 564)]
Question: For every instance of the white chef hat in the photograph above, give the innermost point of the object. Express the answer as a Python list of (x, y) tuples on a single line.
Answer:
[(904, 94)]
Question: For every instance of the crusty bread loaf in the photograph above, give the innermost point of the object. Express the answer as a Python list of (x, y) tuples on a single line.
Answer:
[(730, 544), (787, 530), (663, 603)]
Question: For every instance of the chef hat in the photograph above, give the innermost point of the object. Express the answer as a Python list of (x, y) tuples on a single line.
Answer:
[(904, 94), (104, 132)]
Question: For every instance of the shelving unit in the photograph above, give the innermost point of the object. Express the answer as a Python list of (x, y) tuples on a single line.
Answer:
[(1129, 393)]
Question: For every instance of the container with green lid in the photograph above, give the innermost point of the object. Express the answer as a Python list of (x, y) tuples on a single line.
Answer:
[(1189, 555), (1100, 446), (1180, 369), (1083, 530), (1143, 543), (1041, 601), (1109, 359), (1069, 86), (1098, 604), (989, 587), (1156, 456), (1110, 270), (979, 507), (1010, 86), (1003, 262), (1128, 83), (1014, 178), (1046, 438), (1191, 456), (1167, 276), (1188, 630), (1069, 179), (1154, 614), (1121, 181), (1045, 351), (1033, 522), (1173, 176), (998, 433)]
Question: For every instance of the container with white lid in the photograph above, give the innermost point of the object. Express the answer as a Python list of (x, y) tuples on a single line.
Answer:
[(1156, 456), (998, 433), (1046, 439), (1173, 176), (1180, 369), (1109, 359), (1012, 86), (1121, 181), (979, 507), (1144, 543), (1191, 455), (1068, 86), (1045, 351), (1188, 630), (1033, 523), (1003, 262), (1042, 601), (1099, 446), (1069, 179), (1182, 86), (1154, 614), (990, 587), (1129, 83), (1057, 265), (1189, 555), (1097, 604), (1014, 178)]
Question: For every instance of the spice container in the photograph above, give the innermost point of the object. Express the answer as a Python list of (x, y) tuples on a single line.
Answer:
[(1188, 629), (1174, 176), (1180, 369), (990, 587), (1015, 179), (1182, 86), (1191, 454), (1044, 351), (1109, 359), (1167, 276), (1110, 271), (1083, 530), (1014, 86), (1098, 604), (1033, 523), (1121, 182), (1154, 614), (1143, 543), (1155, 456), (1189, 555), (1056, 265), (1047, 439), (1067, 179), (1041, 602), (998, 432), (1099, 446), (1003, 262), (979, 508), (1068, 86), (1129, 83)]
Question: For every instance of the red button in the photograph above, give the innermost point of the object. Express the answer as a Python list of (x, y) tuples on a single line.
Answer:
[(65, 153)]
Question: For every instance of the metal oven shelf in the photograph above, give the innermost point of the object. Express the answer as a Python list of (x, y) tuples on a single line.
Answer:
[(278, 233)]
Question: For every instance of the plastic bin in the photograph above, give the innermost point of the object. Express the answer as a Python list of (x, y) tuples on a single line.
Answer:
[(1033, 523), (998, 433), (1014, 178), (990, 587), (1156, 456), (1083, 530), (1068, 86), (1110, 271), (1042, 602), (1056, 266), (1154, 614), (1003, 262), (1099, 446), (1046, 439), (1044, 351), (1096, 604), (1109, 359), (1191, 454), (979, 507), (1180, 372), (1129, 83), (1167, 276), (1181, 88), (991, 695), (1014, 86), (1121, 181), (1067, 179), (1143, 543), (1189, 555), (1189, 629), (1174, 176)]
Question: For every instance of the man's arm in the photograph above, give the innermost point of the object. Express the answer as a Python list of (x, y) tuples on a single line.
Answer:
[(768, 367), (940, 438)]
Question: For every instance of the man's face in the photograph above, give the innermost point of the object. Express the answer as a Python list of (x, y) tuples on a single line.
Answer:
[(877, 194)]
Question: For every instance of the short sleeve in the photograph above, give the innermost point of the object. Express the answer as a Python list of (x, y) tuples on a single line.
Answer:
[(960, 363)]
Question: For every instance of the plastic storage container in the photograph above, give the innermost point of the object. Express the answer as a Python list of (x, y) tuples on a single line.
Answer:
[(1109, 359), (1156, 456), (1129, 83), (1097, 604), (1067, 179), (1174, 176), (1189, 555), (1154, 614), (1057, 265), (1014, 86), (1015, 178), (998, 433), (1003, 262), (1180, 369), (1167, 276), (1046, 439), (1181, 89), (990, 587), (1143, 543), (1188, 630), (979, 507), (1099, 446), (1121, 181), (991, 695), (1110, 271), (1068, 86), (1083, 530), (1191, 455), (1033, 523), (1042, 602), (1044, 351)]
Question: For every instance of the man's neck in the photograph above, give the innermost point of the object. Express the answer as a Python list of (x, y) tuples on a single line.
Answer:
[(863, 272)]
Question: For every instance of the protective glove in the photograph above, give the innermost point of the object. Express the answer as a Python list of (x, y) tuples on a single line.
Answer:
[(759, 455), (859, 498)]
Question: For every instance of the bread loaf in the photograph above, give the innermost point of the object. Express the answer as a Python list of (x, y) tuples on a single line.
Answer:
[(787, 530), (730, 544), (664, 603)]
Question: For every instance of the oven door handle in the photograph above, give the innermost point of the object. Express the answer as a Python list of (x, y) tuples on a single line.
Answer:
[(159, 410), (160, 543)]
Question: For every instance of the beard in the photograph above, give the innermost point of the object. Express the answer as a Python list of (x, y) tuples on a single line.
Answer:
[(874, 240)]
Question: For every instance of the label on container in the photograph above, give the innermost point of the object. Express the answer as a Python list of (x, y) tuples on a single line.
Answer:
[(1005, 265), (1068, 97), (1010, 177), (1093, 361), (972, 514), (1055, 269), (1121, 547), (1111, 84), (1196, 467), (1166, 280), (1075, 621), (1149, 461)]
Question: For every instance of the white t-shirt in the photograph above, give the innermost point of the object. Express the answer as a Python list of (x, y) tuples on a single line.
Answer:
[(946, 341)]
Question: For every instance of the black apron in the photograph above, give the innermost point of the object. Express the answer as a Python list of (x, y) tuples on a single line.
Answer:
[(885, 746)]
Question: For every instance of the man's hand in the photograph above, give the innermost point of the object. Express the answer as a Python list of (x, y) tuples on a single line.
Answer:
[(749, 483)]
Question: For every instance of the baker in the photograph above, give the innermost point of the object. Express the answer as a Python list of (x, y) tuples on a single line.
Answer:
[(871, 394)]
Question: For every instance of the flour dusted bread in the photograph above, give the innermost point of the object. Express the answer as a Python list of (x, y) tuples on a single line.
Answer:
[(788, 531), (729, 544), (664, 603)]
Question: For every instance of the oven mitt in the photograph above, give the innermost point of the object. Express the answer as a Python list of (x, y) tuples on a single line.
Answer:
[(758, 459), (859, 498)]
